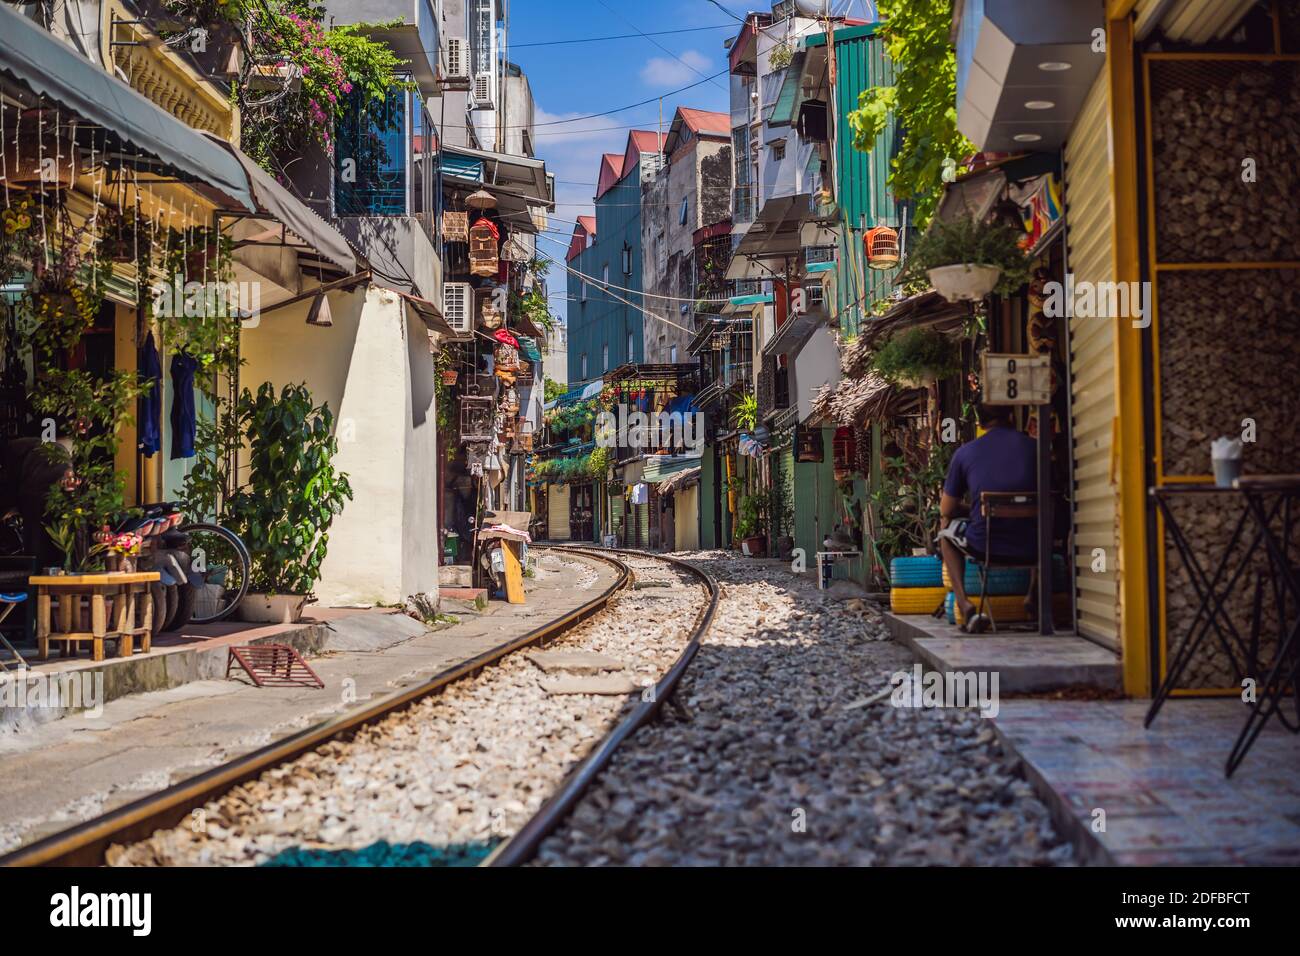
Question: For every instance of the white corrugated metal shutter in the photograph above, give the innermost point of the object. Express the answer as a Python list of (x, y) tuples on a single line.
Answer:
[(1088, 219), (557, 512)]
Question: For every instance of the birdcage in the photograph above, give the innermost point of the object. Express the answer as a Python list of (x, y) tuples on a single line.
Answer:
[(882, 247), (505, 358), (490, 314), (484, 257), (510, 401), (844, 453), (455, 226), (477, 419)]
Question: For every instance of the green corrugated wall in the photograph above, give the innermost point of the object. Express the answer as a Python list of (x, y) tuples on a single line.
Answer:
[(708, 488)]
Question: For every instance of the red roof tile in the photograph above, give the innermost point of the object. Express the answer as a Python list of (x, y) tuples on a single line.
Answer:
[(706, 121), (584, 225)]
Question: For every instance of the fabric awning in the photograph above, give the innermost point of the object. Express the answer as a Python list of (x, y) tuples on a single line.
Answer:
[(282, 206), (52, 69)]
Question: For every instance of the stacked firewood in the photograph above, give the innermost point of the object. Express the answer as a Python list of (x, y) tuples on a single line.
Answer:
[(1229, 342), (1226, 141)]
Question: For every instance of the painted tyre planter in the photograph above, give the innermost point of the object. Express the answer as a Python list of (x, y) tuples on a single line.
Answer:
[(920, 572), (915, 600)]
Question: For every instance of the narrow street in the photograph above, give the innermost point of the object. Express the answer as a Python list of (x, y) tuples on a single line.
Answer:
[(858, 437)]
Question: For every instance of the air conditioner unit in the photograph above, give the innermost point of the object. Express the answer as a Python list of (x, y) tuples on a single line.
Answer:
[(457, 58), (457, 298), (483, 90)]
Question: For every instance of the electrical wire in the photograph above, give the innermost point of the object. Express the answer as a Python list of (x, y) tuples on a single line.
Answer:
[(623, 36), (657, 43)]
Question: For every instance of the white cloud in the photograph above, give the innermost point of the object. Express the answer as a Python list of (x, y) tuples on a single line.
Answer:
[(664, 71)]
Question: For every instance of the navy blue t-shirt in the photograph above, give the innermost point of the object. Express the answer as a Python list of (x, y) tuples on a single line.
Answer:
[(1002, 460)]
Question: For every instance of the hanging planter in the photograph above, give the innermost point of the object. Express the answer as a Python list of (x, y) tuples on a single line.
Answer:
[(964, 260), (450, 376), (966, 282), (882, 248)]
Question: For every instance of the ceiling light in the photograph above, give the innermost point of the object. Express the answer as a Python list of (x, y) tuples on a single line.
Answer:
[(1039, 105), (1054, 66), (1027, 137)]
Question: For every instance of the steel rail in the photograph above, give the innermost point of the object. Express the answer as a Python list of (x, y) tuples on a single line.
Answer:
[(87, 843), (522, 847)]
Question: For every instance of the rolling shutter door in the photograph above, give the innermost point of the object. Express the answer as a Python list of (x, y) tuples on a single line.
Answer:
[(557, 512), (1088, 218)]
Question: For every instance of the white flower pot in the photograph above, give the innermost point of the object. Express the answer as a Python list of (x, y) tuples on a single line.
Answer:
[(964, 282), (272, 608)]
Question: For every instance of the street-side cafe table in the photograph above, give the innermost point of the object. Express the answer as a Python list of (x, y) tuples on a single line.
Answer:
[(1267, 522), (123, 590)]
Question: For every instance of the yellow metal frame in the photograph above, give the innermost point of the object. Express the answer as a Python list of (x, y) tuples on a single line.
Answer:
[(1130, 411), (1158, 267)]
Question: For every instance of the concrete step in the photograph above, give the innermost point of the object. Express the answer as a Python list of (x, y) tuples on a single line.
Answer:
[(1025, 663), (465, 600)]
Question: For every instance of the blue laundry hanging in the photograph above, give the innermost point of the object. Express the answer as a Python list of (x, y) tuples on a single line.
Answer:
[(183, 416), (150, 369)]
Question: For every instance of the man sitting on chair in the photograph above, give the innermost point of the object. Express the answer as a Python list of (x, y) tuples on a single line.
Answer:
[(1003, 460)]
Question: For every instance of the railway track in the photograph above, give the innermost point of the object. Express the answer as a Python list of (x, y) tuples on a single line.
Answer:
[(241, 794)]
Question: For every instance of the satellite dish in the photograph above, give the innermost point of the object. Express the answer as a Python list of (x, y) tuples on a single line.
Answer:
[(813, 8)]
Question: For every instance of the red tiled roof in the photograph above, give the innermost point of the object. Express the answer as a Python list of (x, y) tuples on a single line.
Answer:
[(611, 171), (706, 121), (585, 225)]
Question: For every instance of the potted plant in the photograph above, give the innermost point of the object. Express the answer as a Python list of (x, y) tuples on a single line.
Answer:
[(964, 260), (916, 357), (292, 496), (751, 526)]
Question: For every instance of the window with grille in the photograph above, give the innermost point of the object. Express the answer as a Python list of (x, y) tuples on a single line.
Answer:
[(370, 160)]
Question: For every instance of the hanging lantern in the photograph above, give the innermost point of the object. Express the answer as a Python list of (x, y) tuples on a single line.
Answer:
[(882, 247), (481, 200), (483, 249), (455, 226)]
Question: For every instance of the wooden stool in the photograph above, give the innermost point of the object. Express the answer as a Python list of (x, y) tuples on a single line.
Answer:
[(124, 590)]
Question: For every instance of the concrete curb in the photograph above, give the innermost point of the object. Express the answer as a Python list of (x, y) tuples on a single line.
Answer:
[(33, 703)]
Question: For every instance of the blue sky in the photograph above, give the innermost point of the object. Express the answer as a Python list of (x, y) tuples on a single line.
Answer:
[(578, 79)]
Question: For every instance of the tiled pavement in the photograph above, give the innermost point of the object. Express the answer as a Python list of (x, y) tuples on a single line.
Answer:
[(1165, 797)]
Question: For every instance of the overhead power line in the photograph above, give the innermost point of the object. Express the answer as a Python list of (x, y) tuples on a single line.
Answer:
[(623, 36)]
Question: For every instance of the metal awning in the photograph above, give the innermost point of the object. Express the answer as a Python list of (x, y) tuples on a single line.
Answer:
[(428, 311), (52, 69), (517, 176), (794, 332), (782, 112), (278, 203), (776, 229)]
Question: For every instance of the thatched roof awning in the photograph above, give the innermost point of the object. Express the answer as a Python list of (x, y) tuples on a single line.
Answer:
[(853, 401), (926, 308)]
